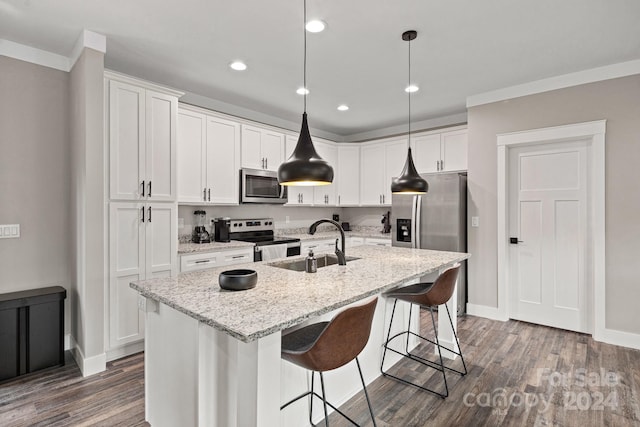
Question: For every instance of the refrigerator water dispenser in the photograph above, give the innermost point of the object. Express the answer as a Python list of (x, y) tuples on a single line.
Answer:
[(403, 230)]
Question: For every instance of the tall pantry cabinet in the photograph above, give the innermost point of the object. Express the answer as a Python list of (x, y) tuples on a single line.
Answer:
[(141, 132)]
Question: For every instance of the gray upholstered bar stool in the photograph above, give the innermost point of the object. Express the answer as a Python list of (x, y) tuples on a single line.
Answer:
[(325, 346), (428, 295)]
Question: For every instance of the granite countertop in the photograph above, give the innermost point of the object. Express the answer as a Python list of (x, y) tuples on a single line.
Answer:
[(188, 248), (284, 298)]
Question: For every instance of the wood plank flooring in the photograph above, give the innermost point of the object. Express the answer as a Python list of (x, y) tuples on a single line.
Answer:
[(519, 375)]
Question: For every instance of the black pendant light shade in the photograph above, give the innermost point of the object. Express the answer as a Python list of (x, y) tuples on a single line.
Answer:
[(409, 181), (305, 166)]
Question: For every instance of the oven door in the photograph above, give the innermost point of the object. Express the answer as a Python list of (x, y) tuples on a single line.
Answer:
[(261, 186)]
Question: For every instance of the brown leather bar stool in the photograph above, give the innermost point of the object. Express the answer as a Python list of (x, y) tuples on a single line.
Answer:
[(325, 346), (428, 295)]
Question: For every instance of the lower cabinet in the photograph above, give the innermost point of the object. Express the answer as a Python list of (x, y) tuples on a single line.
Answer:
[(204, 260), (142, 245), (324, 245)]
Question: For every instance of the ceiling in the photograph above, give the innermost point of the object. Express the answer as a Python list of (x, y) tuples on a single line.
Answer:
[(463, 48)]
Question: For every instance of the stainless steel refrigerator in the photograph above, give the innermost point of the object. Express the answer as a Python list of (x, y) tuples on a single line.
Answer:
[(436, 220)]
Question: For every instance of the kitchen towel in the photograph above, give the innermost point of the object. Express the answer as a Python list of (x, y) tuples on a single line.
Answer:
[(270, 252)]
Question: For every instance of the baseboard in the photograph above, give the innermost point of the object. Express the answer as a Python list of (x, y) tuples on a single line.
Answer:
[(621, 338), (485, 311), (125, 350), (89, 365)]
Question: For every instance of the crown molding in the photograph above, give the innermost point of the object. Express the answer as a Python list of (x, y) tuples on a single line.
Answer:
[(608, 72), (88, 39)]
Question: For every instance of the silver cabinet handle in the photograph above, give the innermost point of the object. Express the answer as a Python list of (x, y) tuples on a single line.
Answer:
[(266, 163), (204, 194), (149, 192), (380, 198), (237, 256), (142, 209), (209, 195), (338, 199), (142, 188), (202, 261), (149, 213)]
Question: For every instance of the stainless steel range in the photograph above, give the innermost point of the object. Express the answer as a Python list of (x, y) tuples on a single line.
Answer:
[(261, 232)]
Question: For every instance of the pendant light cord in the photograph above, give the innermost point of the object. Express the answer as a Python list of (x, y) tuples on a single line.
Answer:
[(304, 76), (409, 98)]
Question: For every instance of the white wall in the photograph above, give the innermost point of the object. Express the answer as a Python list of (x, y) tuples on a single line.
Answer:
[(34, 177), (617, 101)]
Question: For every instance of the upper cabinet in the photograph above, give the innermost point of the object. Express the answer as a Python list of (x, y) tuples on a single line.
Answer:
[(298, 195), (347, 175), (142, 141), (326, 194), (380, 162), (208, 158), (261, 148), (442, 151)]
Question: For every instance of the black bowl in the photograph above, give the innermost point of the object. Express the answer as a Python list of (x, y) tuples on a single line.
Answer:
[(238, 280)]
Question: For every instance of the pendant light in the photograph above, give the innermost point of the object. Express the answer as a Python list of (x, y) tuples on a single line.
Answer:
[(305, 166), (409, 181)]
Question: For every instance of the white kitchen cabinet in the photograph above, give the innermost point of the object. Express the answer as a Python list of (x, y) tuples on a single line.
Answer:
[(319, 246), (208, 158), (325, 195), (380, 162), (220, 258), (142, 245), (142, 141), (348, 175), (298, 195), (261, 148), (376, 241), (440, 151)]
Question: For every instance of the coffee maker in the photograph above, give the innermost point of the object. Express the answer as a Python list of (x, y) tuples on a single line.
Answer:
[(222, 228), (200, 233)]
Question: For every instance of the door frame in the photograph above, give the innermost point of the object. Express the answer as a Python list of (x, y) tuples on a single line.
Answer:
[(594, 133)]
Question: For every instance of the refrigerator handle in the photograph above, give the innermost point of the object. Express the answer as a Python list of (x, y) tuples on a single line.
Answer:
[(413, 222), (417, 222)]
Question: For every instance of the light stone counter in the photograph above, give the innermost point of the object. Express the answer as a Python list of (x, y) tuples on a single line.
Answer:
[(188, 248), (284, 298)]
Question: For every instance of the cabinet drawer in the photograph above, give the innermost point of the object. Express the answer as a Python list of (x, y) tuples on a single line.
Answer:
[(317, 246), (377, 242), (202, 261)]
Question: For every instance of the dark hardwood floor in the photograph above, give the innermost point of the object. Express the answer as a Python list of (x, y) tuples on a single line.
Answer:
[(519, 375)]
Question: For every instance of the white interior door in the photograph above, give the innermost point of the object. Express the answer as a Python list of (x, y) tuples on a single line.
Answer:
[(548, 217)]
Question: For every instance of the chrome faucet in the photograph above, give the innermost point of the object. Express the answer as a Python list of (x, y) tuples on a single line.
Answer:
[(342, 260)]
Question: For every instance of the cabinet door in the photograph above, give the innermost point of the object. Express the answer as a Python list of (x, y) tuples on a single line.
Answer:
[(426, 152), (395, 158), (223, 161), (126, 264), (298, 195), (272, 149), (191, 157), (372, 174), (161, 118), (161, 237), (326, 194), (454, 150), (251, 151), (126, 141), (348, 175)]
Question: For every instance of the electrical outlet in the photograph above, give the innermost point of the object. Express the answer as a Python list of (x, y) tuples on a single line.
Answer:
[(9, 231), (212, 221), (475, 221)]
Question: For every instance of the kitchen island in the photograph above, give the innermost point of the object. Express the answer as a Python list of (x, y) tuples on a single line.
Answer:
[(212, 357)]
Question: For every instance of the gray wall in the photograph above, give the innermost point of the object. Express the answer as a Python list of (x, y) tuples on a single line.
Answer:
[(617, 101), (34, 176), (88, 201)]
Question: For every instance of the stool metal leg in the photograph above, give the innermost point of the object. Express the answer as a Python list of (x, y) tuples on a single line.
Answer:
[(364, 387), (464, 365), (313, 374), (324, 401), (384, 352), (444, 375)]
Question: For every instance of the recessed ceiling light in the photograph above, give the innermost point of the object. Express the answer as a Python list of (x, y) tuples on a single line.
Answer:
[(412, 88), (343, 107), (238, 66), (315, 26), (302, 91)]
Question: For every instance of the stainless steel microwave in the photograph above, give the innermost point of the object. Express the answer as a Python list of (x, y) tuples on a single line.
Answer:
[(261, 186)]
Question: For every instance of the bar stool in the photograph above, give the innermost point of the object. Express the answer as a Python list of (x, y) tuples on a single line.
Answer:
[(325, 346), (428, 295)]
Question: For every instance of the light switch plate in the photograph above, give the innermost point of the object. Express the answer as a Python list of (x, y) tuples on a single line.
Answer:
[(9, 231), (475, 221)]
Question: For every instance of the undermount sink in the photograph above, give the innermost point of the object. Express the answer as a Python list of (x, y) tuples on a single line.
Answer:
[(299, 264)]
